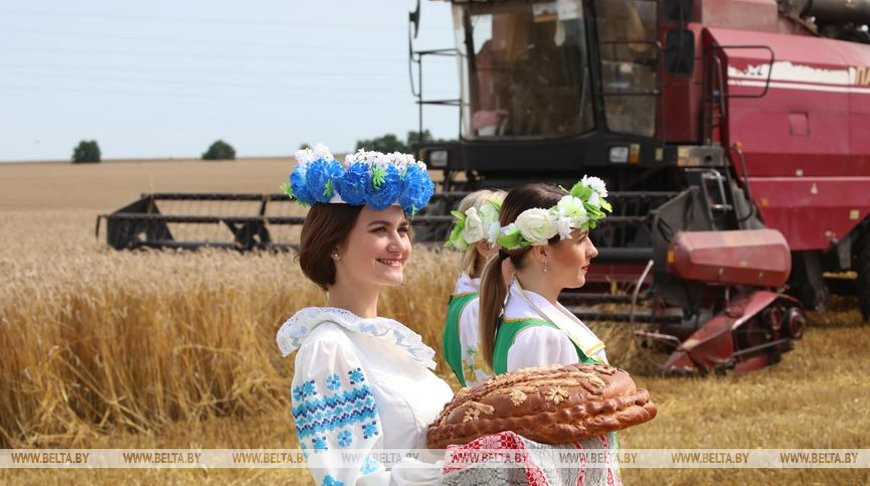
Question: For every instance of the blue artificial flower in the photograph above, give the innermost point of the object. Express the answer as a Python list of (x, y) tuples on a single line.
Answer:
[(320, 179), (416, 189), (297, 183), (355, 184), (386, 191)]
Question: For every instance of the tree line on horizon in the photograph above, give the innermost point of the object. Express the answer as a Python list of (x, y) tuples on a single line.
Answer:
[(88, 151)]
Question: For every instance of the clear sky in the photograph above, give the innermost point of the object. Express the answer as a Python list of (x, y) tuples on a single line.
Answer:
[(166, 78)]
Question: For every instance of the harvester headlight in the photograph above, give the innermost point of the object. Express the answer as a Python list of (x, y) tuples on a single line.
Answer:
[(438, 159), (619, 154)]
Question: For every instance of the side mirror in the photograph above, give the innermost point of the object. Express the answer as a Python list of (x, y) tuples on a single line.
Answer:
[(679, 10), (680, 52)]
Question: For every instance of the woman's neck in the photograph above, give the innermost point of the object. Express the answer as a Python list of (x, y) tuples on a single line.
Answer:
[(538, 283), (361, 300)]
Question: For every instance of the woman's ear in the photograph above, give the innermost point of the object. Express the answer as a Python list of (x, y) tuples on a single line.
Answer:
[(541, 253)]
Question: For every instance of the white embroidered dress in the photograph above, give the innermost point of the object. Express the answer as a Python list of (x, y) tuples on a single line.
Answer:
[(473, 365), (361, 384)]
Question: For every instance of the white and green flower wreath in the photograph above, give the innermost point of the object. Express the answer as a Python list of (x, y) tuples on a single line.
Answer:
[(475, 225), (581, 208)]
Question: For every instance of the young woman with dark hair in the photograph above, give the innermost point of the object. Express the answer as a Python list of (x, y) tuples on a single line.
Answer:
[(361, 382)]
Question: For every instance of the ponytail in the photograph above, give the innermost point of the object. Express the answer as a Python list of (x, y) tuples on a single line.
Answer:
[(493, 292)]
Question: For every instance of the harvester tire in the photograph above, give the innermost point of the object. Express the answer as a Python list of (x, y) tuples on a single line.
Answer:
[(864, 281)]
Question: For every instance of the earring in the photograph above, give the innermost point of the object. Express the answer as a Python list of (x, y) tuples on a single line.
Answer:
[(545, 267), (335, 256)]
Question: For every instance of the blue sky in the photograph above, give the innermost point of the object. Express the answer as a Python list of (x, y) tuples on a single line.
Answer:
[(165, 79)]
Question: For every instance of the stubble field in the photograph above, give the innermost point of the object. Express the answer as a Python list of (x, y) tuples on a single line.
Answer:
[(150, 349)]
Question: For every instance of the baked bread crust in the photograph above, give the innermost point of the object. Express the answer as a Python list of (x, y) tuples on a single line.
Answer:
[(551, 405)]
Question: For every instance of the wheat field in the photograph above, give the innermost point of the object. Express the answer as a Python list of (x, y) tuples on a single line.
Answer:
[(166, 349)]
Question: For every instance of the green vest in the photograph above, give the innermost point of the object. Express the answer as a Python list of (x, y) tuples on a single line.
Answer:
[(507, 334), (451, 344)]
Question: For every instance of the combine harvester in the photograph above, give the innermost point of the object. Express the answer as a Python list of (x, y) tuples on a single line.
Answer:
[(734, 136)]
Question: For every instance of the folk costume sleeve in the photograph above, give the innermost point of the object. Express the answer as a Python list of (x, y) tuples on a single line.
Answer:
[(334, 410)]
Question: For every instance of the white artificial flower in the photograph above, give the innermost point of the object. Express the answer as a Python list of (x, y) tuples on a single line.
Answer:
[(304, 157), (536, 226), (473, 231), (594, 200), (572, 208), (565, 226), (492, 233), (322, 152), (596, 185)]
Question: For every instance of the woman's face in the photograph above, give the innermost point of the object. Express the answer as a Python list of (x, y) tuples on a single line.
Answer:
[(570, 258), (376, 249)]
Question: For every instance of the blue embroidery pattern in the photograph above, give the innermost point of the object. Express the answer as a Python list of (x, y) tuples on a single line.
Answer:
[(369, 466), (320, 444), (370, 430), (333, 382), (356, 376), (304, 391), (336, 411), (344, 438), (331, 481)]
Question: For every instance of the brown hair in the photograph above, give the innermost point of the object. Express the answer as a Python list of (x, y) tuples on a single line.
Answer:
[(492, 285), (471, 261), (326, 227)]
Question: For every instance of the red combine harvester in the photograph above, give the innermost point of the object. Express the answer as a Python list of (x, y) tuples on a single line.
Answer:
[(734, 136)]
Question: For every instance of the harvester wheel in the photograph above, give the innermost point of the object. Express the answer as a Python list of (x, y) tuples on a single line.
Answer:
[(864, 281)]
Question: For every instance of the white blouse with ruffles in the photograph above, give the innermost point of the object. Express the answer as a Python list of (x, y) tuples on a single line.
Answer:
[(361, 384)]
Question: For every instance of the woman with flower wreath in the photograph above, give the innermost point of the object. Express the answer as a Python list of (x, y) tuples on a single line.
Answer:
[(361, 382), (545, 236), (475, 231)]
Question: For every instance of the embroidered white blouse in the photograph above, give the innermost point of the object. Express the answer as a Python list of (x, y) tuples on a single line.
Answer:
[(361, 384), (473, 365), (541, 345)]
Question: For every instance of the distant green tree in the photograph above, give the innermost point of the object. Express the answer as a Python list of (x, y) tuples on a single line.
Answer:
[(220, 150), (304, 146), (387, 143), (414, 137), (86, 151)]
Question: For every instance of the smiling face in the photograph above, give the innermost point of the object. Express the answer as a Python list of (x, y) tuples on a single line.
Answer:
[(376, 250), (570, 258)]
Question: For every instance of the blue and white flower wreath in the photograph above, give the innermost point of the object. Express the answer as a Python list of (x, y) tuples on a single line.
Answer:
[(366, 178)]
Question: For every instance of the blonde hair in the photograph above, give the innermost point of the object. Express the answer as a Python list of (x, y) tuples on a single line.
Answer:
[(471, 259)]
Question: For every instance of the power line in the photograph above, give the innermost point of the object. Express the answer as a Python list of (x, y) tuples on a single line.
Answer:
[(207, 84), (181, 70), (190, 55), (209, 42), (368, 27)]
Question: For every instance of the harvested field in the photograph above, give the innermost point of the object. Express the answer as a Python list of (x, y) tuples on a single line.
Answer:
[(152, 349)]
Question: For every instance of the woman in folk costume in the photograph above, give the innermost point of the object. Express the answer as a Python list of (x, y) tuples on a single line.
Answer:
[(475, 231), (545, 235), (361, 382)]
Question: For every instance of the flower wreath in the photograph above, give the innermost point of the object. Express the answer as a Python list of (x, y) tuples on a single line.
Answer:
[(581, 208), (366, 178), (475, 225)]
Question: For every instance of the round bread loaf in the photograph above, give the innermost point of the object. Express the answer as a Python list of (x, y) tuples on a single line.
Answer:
[(552, 405)]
